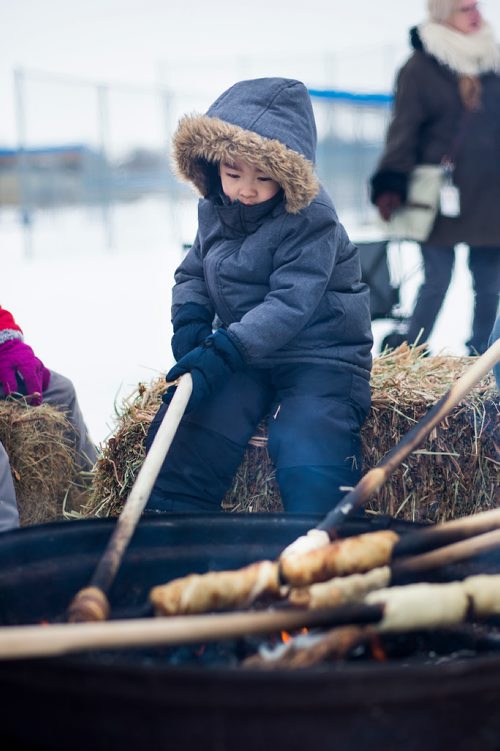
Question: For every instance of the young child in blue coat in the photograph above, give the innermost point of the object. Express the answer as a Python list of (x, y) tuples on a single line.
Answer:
[(269, 312)]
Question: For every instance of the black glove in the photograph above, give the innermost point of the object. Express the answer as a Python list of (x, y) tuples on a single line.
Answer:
[(210, 366), (192, 324)]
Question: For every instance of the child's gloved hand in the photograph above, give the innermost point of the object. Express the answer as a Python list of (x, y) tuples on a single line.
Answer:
[(192, 324), (17, 358), (210, 365)]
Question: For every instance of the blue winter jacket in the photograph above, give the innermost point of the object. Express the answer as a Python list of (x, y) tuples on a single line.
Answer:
[(282, 276)]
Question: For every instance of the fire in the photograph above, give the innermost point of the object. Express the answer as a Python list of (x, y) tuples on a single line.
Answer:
[(286, 637), (377, 650)]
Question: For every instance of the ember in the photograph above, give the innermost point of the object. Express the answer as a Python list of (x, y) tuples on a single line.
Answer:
[(222, 654), (286, 637), (376, 648)]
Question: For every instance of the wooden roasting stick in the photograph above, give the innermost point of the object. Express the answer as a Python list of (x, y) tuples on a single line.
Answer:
[(437, 535), (201, 593), (343, 572), (408, 608), (378, 475), (364, 552), (424, 606), (341, 566), (347, 559), (397, 609), (40, 641), (353, 588), (91, 603)]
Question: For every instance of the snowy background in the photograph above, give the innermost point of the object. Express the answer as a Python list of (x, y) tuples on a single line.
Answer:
[(99, 311), (102, 317)]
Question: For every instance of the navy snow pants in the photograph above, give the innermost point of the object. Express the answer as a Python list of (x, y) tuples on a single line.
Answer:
[(315, 415), (484, 265)]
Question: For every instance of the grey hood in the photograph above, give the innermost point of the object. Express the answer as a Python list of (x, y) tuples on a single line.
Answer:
[(268, 122)]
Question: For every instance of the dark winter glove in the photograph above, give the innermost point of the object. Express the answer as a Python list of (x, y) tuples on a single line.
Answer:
[(210, 366), (192, 324), (387, 203), (16, 358)]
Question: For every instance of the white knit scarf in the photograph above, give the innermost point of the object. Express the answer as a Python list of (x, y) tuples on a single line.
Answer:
[(465, 54)]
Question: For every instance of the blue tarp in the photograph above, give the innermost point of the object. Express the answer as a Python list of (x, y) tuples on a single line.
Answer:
[(351, 97)]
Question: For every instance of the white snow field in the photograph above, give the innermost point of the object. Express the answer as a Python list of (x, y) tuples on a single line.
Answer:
[(101, 315)]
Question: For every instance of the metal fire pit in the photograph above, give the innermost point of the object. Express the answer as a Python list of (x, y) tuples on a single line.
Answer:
[(130, 700)]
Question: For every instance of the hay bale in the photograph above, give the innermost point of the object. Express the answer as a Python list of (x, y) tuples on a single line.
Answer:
[(42, 459), (455, 473)]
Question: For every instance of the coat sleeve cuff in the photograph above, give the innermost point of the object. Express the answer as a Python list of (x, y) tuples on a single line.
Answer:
[(191, 313), (6, 335), (389, 181)]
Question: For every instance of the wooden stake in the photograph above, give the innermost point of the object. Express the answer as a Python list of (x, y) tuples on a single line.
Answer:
[(38, 641), (354, 588), (437, 535), (41, 641), (458, 551), (91, 603)]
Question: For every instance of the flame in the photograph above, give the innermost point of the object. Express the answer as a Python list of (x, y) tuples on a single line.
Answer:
[(286, 637), (377, 650)]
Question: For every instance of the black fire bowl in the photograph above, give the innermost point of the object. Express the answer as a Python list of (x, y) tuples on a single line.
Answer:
[(134, 700)]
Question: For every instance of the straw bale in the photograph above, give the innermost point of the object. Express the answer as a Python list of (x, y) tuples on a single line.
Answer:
[(42, 459), (455, 472)]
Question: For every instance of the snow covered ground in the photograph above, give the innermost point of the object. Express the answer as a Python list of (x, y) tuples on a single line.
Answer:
[(101, 315)]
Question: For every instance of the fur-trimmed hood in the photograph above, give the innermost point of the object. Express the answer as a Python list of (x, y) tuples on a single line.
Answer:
[(268, 122)]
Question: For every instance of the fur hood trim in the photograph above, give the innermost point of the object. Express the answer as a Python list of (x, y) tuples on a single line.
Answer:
[(201, 140), (466, 54)]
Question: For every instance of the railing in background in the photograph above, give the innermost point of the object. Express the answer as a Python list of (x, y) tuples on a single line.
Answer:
[(93, 147)]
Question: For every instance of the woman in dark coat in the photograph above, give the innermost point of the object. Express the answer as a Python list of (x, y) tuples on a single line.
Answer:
[(447, 105)]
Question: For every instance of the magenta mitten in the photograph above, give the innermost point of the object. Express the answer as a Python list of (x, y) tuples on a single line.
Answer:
[(17, 358)]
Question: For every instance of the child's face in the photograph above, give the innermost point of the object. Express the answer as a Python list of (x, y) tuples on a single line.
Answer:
[(245, 183)]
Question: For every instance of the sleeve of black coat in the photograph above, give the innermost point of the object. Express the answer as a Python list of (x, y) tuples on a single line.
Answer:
[(402, 141)]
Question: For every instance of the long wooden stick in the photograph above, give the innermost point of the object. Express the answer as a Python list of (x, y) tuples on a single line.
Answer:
[(414, 607), (448, 554), (437, 535), (39, 641), (91, 603), (378, 475), (353, 588)]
